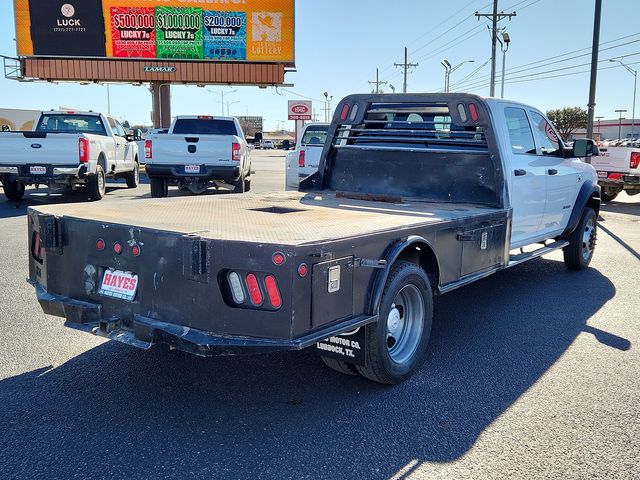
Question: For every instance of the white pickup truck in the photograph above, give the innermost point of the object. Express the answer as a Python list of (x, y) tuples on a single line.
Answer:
[(68, 149), (618, 169), (199, 152), (304, 160)]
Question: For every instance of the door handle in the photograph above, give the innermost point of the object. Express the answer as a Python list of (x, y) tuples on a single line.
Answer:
[(552, 171), (519, 172)]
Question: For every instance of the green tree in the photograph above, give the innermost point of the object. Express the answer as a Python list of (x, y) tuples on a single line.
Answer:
[(567, 120)]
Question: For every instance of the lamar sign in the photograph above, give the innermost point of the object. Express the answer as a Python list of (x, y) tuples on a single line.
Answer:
[(300, 110)]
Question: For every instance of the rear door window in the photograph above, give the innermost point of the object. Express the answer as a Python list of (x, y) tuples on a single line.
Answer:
[(520, 133)]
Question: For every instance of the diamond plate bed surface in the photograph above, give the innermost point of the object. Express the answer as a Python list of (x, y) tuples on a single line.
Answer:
[(288, 218)]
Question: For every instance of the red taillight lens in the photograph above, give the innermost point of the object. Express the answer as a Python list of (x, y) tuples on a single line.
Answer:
[(83, 150), (302, 270), (100, 244), (635, 160), (38, 249), (344, 112), (135, 250), (235, 152), (148, 149), (473, 112), (254, 289), (278, 258), (117, 248), (301, 158), (615, 176), (272, 291)]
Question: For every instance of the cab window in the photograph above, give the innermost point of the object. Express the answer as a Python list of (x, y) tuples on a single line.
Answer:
[(546, 136), (520, 133)]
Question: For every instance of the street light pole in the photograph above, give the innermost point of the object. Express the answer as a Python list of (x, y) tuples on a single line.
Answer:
[(599, 136), (453, 69), (327, 106), (635, 81), (504, 46), (447, 68), (620, 123)]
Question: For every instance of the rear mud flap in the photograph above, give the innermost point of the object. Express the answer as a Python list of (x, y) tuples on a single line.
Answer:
[(350, 347)]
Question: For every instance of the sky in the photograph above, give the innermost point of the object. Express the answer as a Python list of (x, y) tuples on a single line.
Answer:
[(339, 45)]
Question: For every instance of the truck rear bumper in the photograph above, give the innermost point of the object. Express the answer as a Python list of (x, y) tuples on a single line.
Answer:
[(623, 182), (228, 174), (55, 173), (144, 332)]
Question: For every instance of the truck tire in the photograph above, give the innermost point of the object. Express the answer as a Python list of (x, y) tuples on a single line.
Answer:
[(13, 189), (397, 342), (608, 194), (247, 184), (340, 366), (240, 186), (159, 187), (582, 241), (133, 177), (97, 184)]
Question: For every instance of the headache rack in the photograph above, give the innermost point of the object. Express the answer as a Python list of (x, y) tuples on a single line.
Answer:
[(416, 126)]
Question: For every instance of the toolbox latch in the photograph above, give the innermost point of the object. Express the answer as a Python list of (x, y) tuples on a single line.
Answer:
[(194, 258), (50, 233)]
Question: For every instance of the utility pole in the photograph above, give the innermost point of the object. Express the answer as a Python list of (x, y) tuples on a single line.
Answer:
[(377, 83), (405, 67), (594, 71), (495, 17), (221, 93)]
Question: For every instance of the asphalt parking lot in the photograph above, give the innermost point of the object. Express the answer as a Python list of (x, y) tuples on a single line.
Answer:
[(531, 373)]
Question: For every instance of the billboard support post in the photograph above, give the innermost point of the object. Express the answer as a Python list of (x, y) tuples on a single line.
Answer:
[(161, 95)]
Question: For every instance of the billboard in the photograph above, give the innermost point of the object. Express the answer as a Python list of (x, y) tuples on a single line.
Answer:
[(218, 30), (300, 110)]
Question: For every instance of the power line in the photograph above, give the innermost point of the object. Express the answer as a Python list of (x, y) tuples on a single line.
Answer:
[(520, 69)]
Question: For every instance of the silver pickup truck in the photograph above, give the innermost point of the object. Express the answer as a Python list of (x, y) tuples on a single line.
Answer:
[(68, 149)]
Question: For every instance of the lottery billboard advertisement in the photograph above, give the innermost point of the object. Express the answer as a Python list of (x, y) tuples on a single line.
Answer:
[(214, 30)]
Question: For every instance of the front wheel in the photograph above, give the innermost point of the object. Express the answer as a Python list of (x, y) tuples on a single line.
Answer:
[(97, 184), (608, 194), (13, 189), (582, 242), (397, 343)]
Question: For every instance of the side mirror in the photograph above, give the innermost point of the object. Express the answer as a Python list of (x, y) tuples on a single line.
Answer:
[(129, 138), (584, 147)]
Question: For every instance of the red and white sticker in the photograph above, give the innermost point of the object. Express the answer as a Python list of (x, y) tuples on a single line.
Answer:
[(192, 169), (603, 174), (38, 170), (119, 284), (551, 135)]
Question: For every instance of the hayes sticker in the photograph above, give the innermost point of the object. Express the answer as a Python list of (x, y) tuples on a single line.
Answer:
[(133, 32), (225, 35), (178, 32)]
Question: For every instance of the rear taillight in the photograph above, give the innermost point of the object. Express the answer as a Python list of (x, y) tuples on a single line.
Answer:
[(473, 112), (83, 150), (236, 288), (635, 160), (272, 291), (37, 249), (344, 112), (254, 289), (148, 149), (100, 244), (235, 152), (301, 158)]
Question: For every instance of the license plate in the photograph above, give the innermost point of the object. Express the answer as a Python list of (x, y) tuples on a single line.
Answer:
[(119, 284), (192, 169), (602, 174), (38, 170)]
